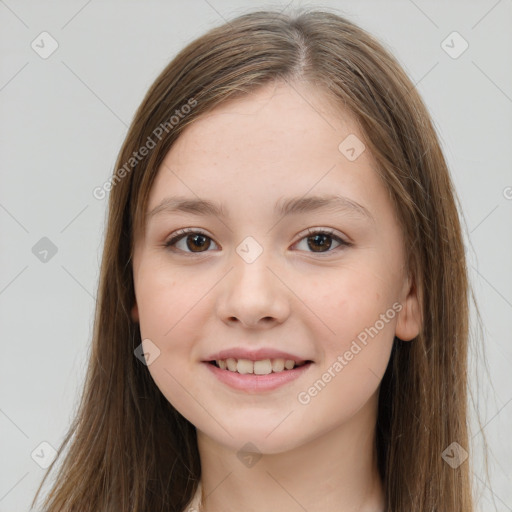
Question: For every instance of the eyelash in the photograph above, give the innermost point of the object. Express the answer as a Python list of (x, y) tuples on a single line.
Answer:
[(182, 233)]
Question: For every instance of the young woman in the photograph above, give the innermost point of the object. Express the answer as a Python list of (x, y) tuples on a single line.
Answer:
[(282, 315)]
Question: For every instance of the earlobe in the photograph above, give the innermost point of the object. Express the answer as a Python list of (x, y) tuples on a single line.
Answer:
[(135, 313), (410, 321)]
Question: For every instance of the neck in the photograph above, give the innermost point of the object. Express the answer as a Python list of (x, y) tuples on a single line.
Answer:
[(336, 471)]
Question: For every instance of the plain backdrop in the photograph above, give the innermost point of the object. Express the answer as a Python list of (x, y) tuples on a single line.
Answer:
[(65, 115)]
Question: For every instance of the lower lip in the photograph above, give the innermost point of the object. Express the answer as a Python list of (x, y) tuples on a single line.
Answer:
[(257, 383)]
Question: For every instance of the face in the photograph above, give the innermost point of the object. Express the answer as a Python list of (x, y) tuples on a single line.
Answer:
[(303, 256)]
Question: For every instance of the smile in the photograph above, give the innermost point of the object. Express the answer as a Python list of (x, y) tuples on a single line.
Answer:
[(261, 367), (257, 376)]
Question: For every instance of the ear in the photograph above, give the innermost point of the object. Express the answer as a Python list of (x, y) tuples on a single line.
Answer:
[(410, 321), (135, 312)]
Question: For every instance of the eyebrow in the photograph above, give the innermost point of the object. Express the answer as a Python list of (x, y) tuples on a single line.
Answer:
[(285, 207)]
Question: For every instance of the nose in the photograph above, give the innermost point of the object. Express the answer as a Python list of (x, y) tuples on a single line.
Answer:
[(253, 295)]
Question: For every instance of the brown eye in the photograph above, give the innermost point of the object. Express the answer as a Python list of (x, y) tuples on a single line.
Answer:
[(190, 241), (321, 241), (197, 243)]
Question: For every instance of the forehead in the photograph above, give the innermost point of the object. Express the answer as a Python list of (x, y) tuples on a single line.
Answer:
[(273, 149), (278, 121), (279, 139)]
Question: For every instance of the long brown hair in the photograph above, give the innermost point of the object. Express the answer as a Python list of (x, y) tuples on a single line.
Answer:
[(128, 449)]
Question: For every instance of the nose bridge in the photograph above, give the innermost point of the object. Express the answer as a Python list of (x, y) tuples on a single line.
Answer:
[(249, 275), (252, 292)]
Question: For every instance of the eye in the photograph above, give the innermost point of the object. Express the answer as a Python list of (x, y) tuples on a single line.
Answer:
[(188, 240), (193, 241), (321, 241)]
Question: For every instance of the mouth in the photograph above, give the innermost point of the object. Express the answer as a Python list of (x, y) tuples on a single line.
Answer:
[(260, 367), (260, 376)]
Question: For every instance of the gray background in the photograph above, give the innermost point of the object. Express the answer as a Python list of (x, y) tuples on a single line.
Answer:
[(64, 118)]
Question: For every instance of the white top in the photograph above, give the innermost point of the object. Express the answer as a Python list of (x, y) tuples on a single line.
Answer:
[(194, 504)]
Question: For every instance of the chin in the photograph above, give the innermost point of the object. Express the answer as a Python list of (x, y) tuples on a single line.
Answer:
[(246, 438)]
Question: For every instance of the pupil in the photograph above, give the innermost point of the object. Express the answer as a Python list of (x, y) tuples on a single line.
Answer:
[(319, 239), (322, 241), (198, 242)]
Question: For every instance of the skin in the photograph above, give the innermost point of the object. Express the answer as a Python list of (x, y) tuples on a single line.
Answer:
[(247, 154)]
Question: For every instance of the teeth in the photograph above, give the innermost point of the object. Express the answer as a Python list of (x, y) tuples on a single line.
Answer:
[(278, 365), (245, 366), (288, 364), (263, 367), (231, 364)]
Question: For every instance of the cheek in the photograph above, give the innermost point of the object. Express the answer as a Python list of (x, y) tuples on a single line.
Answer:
[(166, 302), (357, 315), (351, 299), (354, 351), (170, 311)]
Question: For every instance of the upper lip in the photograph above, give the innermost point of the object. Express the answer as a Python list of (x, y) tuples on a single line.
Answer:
[(254, 355)]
